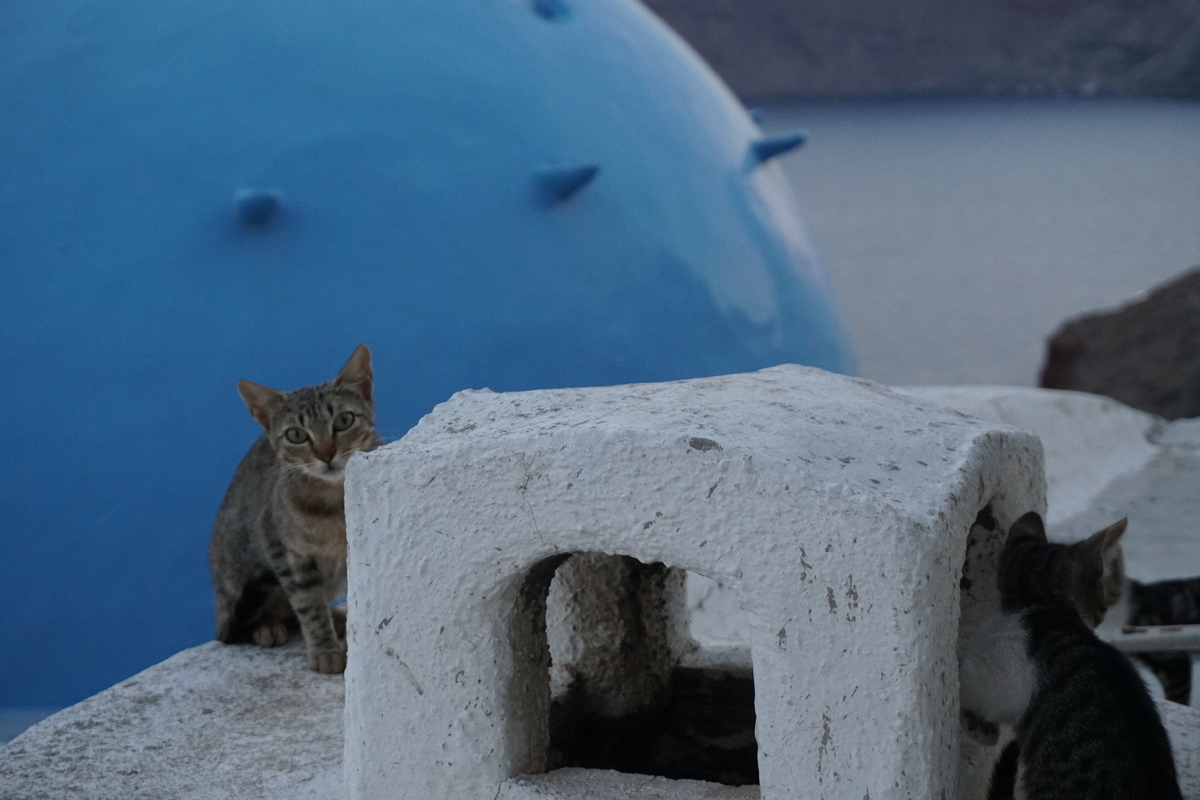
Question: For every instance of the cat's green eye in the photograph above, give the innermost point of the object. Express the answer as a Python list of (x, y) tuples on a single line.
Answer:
[(343, 421), (296, 435)]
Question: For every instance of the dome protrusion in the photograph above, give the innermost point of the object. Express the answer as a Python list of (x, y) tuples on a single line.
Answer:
[(769, 147), (257, 207), (560, 184)]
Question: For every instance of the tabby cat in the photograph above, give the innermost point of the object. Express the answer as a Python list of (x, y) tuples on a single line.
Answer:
[(1087, 728), (1174, 602), (996, 675), (278, 551)]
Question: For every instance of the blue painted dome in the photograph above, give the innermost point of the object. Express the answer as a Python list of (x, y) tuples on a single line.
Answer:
[(514, 194)]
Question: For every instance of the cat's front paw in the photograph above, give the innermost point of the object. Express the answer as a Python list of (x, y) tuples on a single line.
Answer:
[(271, 634), (330, 660)]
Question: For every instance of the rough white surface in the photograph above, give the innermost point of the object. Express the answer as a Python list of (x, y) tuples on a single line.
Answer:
[(212, 722), (837, 509), (595, 784), (616, 629), (1183, 726), (1089, 440), (1091, 444)]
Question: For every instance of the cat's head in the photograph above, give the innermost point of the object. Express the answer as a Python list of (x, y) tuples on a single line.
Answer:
[(1089, 573), (316, 429)]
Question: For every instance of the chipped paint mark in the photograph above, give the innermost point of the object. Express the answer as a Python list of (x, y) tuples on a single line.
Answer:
[(781, 638), (851, 593), (826, 738), (712, 489), (386, 621), (832, 601), (803, 556), (407, 669), (702, 444)]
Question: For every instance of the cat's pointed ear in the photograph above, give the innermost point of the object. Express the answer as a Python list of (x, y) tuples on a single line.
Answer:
[(1110, 537), (1103, 551), (357, 372), (1029, 526), (260, 399)]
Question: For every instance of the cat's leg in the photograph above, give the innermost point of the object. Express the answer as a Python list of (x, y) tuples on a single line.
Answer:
[(301, 579), (276, 622), (226, 629), (237, 587), (1003, 785), (339, 621), (241, 602)]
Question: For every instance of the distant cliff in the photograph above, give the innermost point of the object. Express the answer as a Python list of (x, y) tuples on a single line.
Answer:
[(826, 48)]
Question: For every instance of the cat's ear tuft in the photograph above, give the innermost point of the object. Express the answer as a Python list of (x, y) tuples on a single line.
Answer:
[(1029, 526), (1112, 534), (1106, 544), (260, 400), (1101, 544), (357, 372)]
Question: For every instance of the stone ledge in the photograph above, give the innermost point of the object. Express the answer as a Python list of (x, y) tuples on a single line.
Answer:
[(596, 784), (221, 722), (215, 721)]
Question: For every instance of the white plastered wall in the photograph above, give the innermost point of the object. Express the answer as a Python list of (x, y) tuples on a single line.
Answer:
[(838, 510)]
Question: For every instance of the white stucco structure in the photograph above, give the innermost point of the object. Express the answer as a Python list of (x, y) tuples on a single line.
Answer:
[(837, 509)]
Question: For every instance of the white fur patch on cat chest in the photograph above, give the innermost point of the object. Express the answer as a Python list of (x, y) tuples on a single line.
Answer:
[(996, 676)]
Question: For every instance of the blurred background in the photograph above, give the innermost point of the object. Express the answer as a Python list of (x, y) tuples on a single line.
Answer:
[(973, 176)]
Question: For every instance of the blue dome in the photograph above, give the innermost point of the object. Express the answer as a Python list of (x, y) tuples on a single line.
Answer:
[(514, 194)]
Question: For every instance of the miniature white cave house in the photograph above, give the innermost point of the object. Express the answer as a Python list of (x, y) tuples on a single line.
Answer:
[(839, 512)]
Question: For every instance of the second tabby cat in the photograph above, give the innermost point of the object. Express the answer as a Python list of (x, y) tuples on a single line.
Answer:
[(1173, 602)]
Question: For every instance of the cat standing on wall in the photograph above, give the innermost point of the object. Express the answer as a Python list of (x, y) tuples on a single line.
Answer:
[(1086, 727), (278, 551)]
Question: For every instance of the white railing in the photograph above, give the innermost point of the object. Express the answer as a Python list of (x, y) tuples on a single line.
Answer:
[(1158, 638), (1163, 639)]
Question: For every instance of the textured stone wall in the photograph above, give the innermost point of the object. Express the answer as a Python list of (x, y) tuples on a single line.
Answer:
[(794, 486), (778, 48)]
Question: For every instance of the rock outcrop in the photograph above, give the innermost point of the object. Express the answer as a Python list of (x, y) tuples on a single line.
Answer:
[(1145, 354)]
